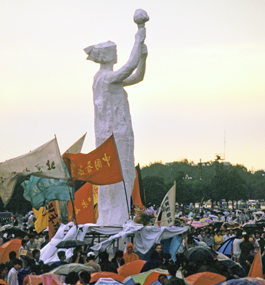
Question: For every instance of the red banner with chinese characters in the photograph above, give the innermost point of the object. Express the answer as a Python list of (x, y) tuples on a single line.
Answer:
[(100, 167), (53, 219), (84, 205)]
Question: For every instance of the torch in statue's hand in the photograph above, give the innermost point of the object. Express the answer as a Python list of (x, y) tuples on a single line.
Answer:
[(140, 17)]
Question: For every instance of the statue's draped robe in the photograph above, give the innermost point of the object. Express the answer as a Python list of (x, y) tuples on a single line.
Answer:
[(112, 116)]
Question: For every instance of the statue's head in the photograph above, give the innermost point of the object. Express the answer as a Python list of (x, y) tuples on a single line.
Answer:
[(102, 53)]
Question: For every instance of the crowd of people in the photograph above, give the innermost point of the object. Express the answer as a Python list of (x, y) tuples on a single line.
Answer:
[(220, 227)]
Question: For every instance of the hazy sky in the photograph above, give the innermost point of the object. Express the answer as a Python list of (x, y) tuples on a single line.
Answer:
[(204, 80)]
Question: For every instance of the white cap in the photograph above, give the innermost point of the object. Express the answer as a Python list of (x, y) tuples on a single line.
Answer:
[(91, 253)]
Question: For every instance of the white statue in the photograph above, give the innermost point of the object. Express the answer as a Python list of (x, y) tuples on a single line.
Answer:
[(112, 115)]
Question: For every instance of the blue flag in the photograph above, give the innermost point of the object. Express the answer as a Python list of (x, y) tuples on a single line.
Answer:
[(40, 191)]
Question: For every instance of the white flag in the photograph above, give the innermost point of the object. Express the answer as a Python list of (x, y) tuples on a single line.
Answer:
[(168, 208), (77, 146), (45, 161)]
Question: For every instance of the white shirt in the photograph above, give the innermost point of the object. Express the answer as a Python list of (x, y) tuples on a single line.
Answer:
[(12, 277), (236, 246)]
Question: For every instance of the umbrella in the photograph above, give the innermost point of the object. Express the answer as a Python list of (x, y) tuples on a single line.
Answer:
[(7, 247), (257, 279), (196, 224), (107, 281), (226, 247), (145, 278), (200, 253), (37, 279), (206, 220), (103, 274), (5, 227), (230, 225), (249, 226), (70, 243), (213, 217), (50, 279), (239, 281), (17, 231), (208, 278), (260, 223), (72, 267), (217, 224), (235, 267), (131, 268)]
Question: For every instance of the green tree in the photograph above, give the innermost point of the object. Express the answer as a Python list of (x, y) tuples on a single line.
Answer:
[(155, 190)]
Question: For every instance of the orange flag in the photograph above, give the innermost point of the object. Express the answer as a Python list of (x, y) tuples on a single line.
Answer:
[(100, 167), (84, 205), (53, 219), (136, 198), (256, 266)]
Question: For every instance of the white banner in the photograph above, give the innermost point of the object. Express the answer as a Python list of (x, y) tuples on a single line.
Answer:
[(44, 161), (168, 208)]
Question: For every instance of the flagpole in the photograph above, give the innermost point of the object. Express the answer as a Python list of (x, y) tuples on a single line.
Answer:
[(73, 205), (128, 209), (67, 182)]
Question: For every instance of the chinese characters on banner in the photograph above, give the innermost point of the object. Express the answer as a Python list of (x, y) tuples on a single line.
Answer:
[(53, 219), (168, 207), (100, 167), (84, 205)]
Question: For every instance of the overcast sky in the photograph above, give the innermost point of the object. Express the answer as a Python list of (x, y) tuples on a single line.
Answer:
[(203, 92)]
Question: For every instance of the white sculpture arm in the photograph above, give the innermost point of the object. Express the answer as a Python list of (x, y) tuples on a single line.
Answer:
[(121, 74), (138, 76)]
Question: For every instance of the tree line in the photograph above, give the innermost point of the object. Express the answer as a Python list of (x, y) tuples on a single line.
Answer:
[(213, 180)]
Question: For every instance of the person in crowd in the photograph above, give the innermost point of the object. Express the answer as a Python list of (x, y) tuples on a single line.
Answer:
[(226, 235), (157, 253), (209, 240), (84, 277), (166, 261), (129, 255), (31, 245), (38, 241), (190, 241), (236, 246), (34, 270), (231, 233), (154, 261), (249, 261), (71, 278), (218, 239), (1, 239), (46, 240), (45, 268), (174, 280), (36, 258), (12, 257), (77, 256), (3, 272), (246, 249), (91, 261), (12, 278), (23, 247), (201, 235), (118, 260), (62, 257), (105, 264), (15, 222), (162, 278)]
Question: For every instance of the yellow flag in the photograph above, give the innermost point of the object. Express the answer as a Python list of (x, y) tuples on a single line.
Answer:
[(41, 222)]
